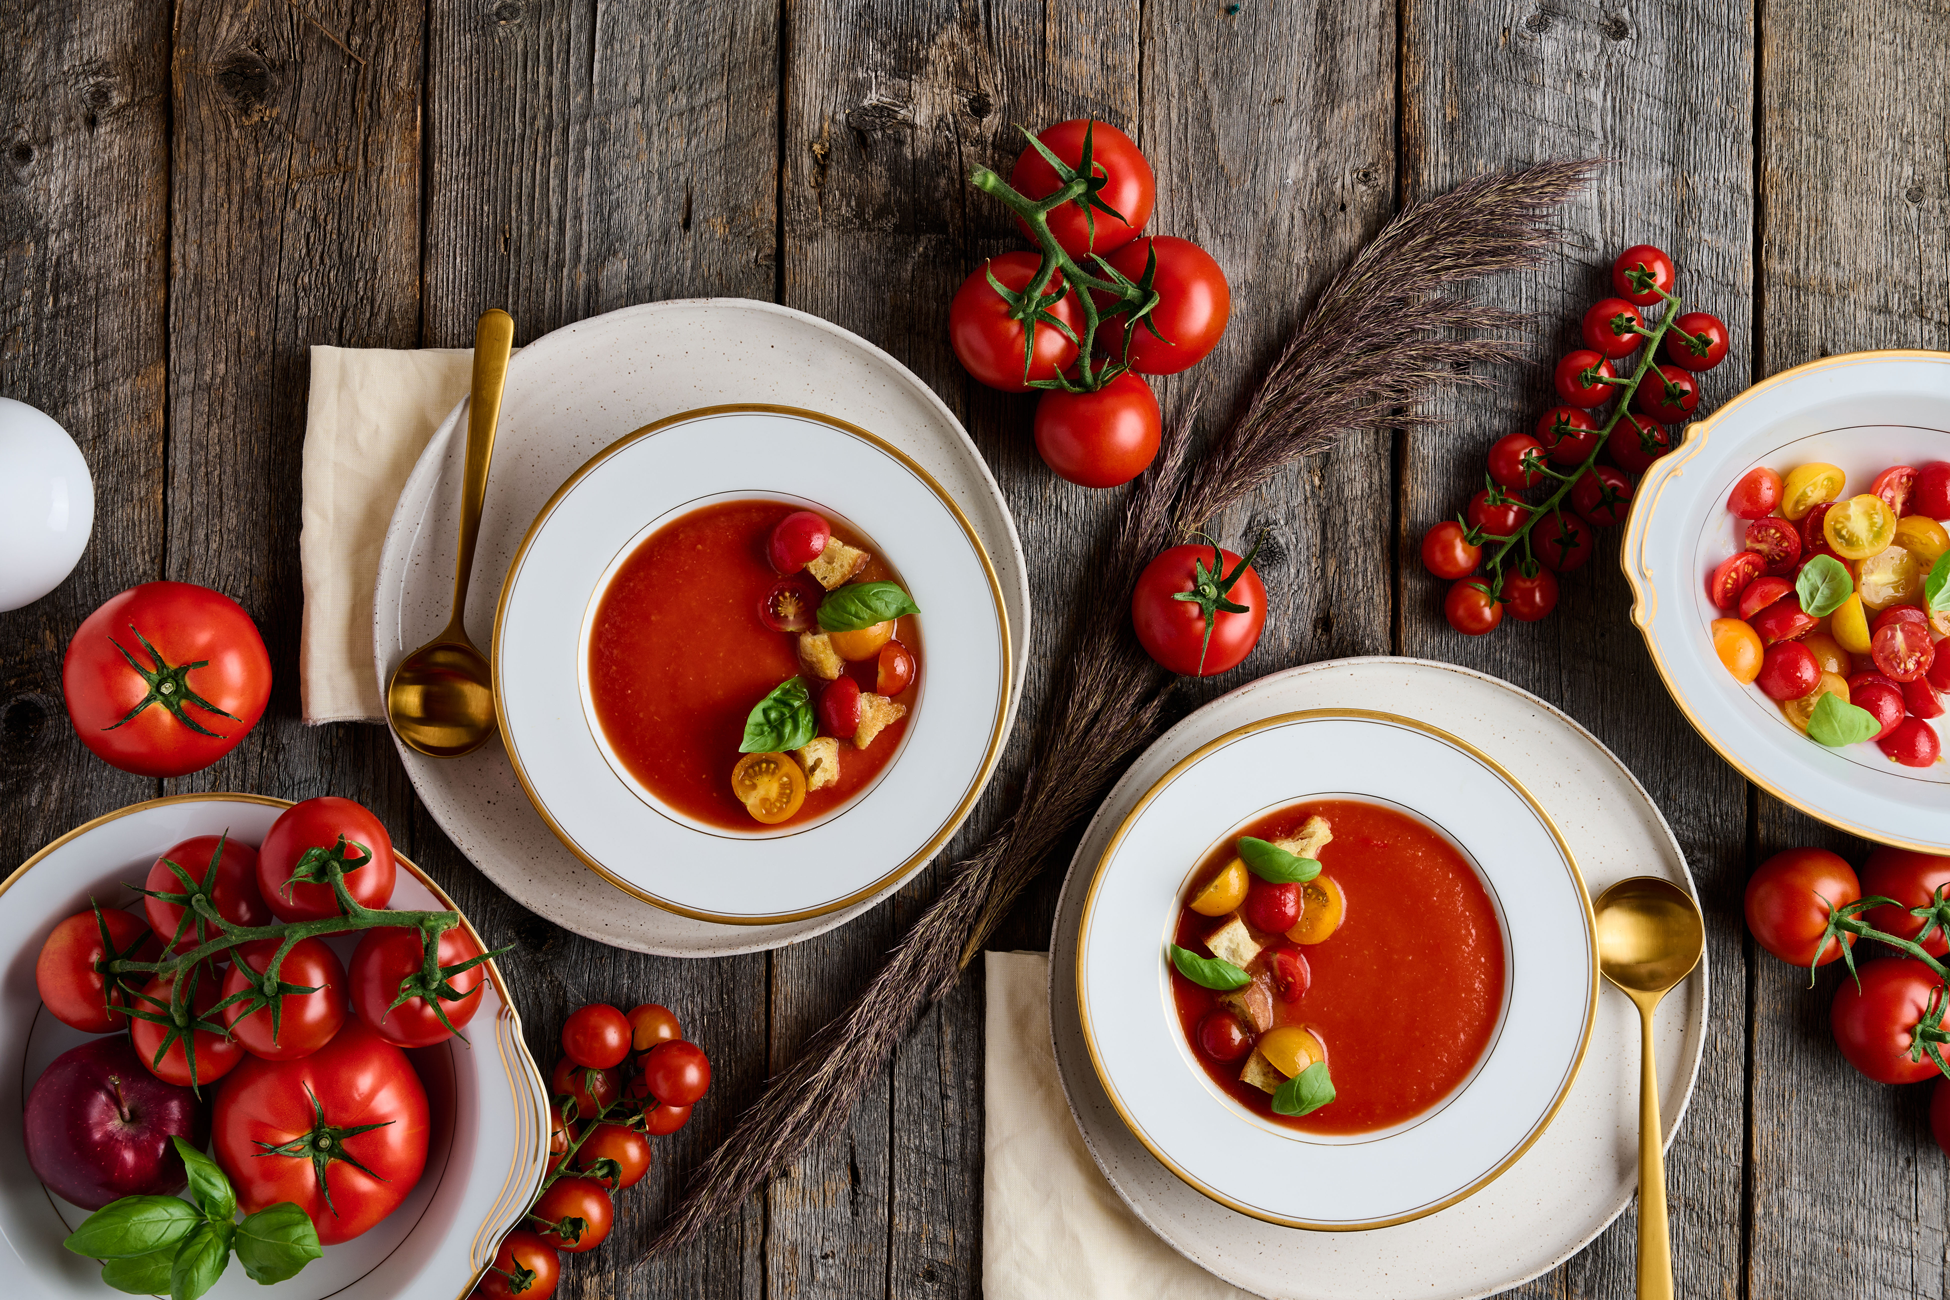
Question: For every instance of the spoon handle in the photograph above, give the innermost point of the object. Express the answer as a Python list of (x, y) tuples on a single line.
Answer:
[(494, 336), (1655, 1238)]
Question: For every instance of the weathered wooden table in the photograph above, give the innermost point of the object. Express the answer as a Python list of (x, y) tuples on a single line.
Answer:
[(192, 194)]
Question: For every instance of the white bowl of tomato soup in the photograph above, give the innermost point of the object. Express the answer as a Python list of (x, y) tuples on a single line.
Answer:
[(666, 689), (1337, 970)]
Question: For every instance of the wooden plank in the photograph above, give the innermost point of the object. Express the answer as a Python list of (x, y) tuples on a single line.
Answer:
[(1853, 254), (1668, 98), (84, 206)]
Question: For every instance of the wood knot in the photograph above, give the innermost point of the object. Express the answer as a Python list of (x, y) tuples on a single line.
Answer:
[(1367, 178), (22, 724), (1271, 558), (1614, 27), (1539, 22), (506, 14), (1914, 194), (245, 79), (979, 105), (21, 154), (871, 118)]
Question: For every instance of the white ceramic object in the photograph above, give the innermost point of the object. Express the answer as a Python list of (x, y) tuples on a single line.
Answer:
[(489, 1146), (1583, 1170), (47, 504), (1862, 412), (571, 394), (1268, 1170), (617, 825)]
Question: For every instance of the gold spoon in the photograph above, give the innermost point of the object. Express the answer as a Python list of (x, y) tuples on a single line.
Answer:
[(1650, 936), (441, 697)]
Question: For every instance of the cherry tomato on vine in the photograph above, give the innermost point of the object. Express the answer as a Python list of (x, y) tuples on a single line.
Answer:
[(389, 954), (561, 1129), (1603, 495), (660, 1121), (1194, 302), (1498, 515), (1731, 577), (525, 1268), (1912, 879), (1568, 435), (305, 1021), (1667, 394), (1198, 638), (1756, 495), (217, 1053), (308, 833), (234, 889), (1100, 439), (675, 1073), (1878, 1023), (1129, 189), (1931, 496), (1912, 742), (1511, 462), (1470, 609), (1447, 552), (591, 1089), (573, 1215), (1636, 442), (1895, 486), (1561, 541), (990, 341), (1528, 597), (651, 1024), (1579, 378), (597, 1036), (1777, 542), (1640, 273), (1611, 328), (1697, 341), (68, 976), (627, 1148), (1787, 903)]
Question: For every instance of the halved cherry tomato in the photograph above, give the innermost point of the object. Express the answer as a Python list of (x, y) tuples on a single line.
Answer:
[(1921, 699), (797, 540), (862, 644), (1931, 499), (1898, 614), (1761, 593), (1738, 647), (1799, 711), (1784, 620), (596, 1036), (1697, 341), (895, 671), (1222, 1037), (1636, 442), (1860, 526), (1291, 1049), (1882, 699), (1903, 651), (1528, 597), (651, 1024), (1939, 672), (1731, 577), (1612, 327), (1895, 486), (1640, 273), (1814, 537), (1850, 626), (1890, 577), (1447, 551), (1470, 609), (1562, 541), (1922, 537), (1862, 677), (839, 707), (1290, 972), (1568, 435), (1787, 671), (771, 786), (1667, 394), (1511, 462), (1756, 494), (1224, 892), (791, 605), (1602, 495), (1580, 378), (1828, 653), (1272, 905), (1498, 515), (1323, 906), (1807, 486), (1776, 541)]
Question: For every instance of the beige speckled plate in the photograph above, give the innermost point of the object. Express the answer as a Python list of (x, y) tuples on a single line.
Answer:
[(570, 394), (1584, 1169)]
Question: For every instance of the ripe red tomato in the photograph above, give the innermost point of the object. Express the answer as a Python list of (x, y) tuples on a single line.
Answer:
[(1529, 596), (308, 835), (1881, 698), (389, 954), (1496, 516), (1447, 551), (1568, 435), (1129, 188), (1902, 650), (1788, 899), (233, 888), (677, 1073), (1921, 698), (561, 1129), (1099, 439), (1292, 976), (797, 540), (1777, 542), (990, 342), (1470, 609), (1561, 541), (216, 1052), (1602, 495), (1931, 497), (839, 707), (525, 1268), (1697, 341), (1912, 879), (1194, 303), (1515, 462), (1899, 614), (651, 1024), (660, 1121), (1667, 394), (1784, 620), (592, 1090), (1222, 1037), (1641, 273), (354, 1107), (68, 974), (1271, 905), (1912, 742), (1761, 593), (1174, 632), (573, 1215), (1787, 671), (1636, 442), (165, 678), (1611, 328), (1876, 1024), (1579, 378), (1730, 578), (1895, 486), (305, 1021), (626, 1151), (1756, 495), (597, 1036), (894, 670)]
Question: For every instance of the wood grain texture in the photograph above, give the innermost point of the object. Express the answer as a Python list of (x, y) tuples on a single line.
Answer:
[(1668, 98)]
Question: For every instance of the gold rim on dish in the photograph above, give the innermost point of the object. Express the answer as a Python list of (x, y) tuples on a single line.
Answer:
[(997, 736), (1645, 597), (1158, 788)]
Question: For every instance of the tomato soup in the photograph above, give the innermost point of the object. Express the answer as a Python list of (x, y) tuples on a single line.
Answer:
[(679, 654), (1404, 996)]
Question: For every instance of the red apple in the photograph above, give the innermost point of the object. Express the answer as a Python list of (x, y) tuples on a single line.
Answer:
[(99, 1126)]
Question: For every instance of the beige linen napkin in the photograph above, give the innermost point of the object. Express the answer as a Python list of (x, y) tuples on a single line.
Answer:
[(1051, 1225), (370, 414)]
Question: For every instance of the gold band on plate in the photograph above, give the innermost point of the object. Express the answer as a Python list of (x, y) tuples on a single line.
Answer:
[(996, 737), (1158, 788)]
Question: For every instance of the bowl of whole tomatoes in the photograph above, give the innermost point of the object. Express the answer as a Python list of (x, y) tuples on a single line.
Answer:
[(284, 1108), (1791, 580)]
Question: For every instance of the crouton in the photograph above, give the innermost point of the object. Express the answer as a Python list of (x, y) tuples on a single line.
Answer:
[(876, 713), (1233, 942), (1313, 837), (837, 564), (821, 759), (1252, 1003), (816, 651), (1260, 1073)]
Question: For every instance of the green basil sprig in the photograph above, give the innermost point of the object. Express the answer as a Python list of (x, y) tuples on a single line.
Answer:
[(1306, 1091), (1274, 864), (1835, 722), (152, 1245), (1936, 587), (1823, 585), (1208, 972), (862, 604), (781, 721)]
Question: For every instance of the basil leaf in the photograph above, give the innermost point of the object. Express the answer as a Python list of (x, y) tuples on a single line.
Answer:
[(200, 1260), (1823, 585), (1306, 1091), (132, 1226), (782, 720), (208, 1186), (1835, 722), (1208, 972), (276, 1242), (862, 604), (1936, 587), (141, 1274), (1274, 864)]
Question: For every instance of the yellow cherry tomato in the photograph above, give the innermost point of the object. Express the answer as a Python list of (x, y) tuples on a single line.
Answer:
[(1291, 1049), (1224, 892), (1808, 486), (1799, 711), (1860, 526), (1890, 577), (863, 643), (1850, 626), (771, 786), (1322, 906), (1924, 538), (1828, 653), (1739, 648)]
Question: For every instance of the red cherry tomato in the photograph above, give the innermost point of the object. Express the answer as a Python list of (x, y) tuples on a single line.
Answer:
[(1757, 494), (217, 1053), (651, 1024), (1938, 673), (1636, 442), (1902, 650), (1561, 541), (1875, 1017), (389, 954), (1787, 904), (1100, 439), (1222, 1037), (1777, 542), (1194, 303), (1290, 972), (68, 971), (1882, 700), (590, 1089), (1641, 273), (1129, 188), (525, 1268), (660, 1121), (1931, 496), (1611, 328), (1922, 699), (1913, 743), (797, 540), (1814, 536), (1912, 879), (561, 1129), (1579, 378), (1603, 495), (233, 888), (1498, 516), (573, 1215), (1787, 671), (792, 604), (1697, 341), (990, 343), (1529, 596), (1895, 486), (1667, 394), (305, 1022), (615, 1155), (1784, 620), (1470, 609), (1511, 462), (839, 707), (1761, 593), (1173, 631), (1447, 551), (677, 1073), (1271, 905), (307, 833), (1568, 435), (597, 1036), (894, 670)]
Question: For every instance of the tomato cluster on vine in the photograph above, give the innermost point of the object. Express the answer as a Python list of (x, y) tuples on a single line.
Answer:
[(1084, 336), (1504, 552)]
